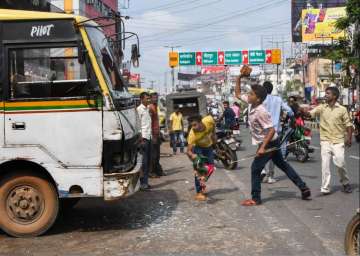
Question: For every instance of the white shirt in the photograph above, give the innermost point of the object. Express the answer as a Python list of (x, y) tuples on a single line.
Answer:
[(274, 105), (145, 121)]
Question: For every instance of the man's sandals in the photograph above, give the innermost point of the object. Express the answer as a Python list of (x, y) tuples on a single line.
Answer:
[(249, 202), (305, 195)]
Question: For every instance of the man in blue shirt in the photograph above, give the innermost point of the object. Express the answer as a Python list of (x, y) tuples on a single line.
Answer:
[(274, 105), (228, 115)]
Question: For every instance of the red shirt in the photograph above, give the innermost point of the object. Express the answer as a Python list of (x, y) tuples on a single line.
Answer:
[(155, 126)]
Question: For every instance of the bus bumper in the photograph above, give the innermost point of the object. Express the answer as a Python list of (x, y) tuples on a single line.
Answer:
[(121, 185)]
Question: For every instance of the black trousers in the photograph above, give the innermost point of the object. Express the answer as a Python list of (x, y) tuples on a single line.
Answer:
[(155, 158)]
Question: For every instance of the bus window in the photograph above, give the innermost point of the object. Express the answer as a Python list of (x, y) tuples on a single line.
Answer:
[(46, 73)]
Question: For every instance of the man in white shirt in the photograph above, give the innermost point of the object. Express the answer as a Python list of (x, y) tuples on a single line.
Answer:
[(145, 124), (274, 105)]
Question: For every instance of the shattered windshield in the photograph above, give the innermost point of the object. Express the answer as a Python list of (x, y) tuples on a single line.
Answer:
[(107, 62)]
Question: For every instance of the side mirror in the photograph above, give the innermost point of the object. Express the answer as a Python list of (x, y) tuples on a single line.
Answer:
[(81, 52), (135, 55)]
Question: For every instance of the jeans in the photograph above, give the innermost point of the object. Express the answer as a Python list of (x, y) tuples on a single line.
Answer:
[(175, 137), (146, 161), (270, 167), (209, 153), (259, 163)]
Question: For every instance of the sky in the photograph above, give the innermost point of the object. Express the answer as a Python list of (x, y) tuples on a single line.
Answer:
[(202, 25)]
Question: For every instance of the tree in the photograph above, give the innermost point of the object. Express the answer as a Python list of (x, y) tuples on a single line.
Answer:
[(347, 49), (293, 86)]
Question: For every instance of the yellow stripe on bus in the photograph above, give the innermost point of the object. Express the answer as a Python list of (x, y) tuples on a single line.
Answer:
[(48, 103)]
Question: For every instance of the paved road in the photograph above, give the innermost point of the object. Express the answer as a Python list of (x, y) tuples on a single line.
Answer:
[(167, 221)]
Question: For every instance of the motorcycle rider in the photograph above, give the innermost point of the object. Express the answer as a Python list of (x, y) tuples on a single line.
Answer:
[(228, 115)]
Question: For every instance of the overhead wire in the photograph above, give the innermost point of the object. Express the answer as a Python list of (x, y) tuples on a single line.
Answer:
[(169, 5), (188, 9), (257, 28), (212, 37), (221, 16), (242, 14)]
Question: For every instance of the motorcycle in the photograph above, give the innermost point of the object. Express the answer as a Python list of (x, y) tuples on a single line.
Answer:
[(226, 147), (356, 125), (352, 235), (297, 132)]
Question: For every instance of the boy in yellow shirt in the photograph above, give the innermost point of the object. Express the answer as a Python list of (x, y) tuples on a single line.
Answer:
[(200, 140)]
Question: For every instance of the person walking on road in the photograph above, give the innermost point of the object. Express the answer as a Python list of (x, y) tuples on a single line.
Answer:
[(156, 170), (265, 137), (200, 141), (334, 122), (145, 124), (274, 105), (177, 130)]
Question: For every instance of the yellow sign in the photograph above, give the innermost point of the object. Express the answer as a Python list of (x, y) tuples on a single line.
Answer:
[(318, 25), (275, 56), (173, 59)]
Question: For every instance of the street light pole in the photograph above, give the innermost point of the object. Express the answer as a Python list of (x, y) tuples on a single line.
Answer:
[(172, 68)]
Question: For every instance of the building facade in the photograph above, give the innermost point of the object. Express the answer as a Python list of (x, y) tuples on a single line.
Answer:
[(91, 9)]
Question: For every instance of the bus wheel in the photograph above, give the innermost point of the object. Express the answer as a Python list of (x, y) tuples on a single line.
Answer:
[(28, 204)]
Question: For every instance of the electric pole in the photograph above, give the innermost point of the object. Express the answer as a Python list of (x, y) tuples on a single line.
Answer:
[(152, 84), (172, 68)]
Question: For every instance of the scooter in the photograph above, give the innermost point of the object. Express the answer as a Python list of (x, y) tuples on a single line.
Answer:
[(356, 125), (226, 147), (300, 133)]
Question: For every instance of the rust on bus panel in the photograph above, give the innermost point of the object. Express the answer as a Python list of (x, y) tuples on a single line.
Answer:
[(119, 185)]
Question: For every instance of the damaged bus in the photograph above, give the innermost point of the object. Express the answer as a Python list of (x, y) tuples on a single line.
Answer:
[(68, 125)]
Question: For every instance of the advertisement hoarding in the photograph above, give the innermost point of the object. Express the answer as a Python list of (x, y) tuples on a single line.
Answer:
[(296, 9), (318, 25), (212, 69)]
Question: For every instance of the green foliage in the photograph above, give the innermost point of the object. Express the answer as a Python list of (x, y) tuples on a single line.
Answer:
[(291, 86), (346, 49)]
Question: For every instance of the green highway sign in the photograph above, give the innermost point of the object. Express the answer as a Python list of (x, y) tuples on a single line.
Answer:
[(209, 58), (257, 57), (233, 57), (186, 58), (213, 58)]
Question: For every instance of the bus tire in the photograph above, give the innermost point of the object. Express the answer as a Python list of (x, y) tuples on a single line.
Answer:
[(29, 204)]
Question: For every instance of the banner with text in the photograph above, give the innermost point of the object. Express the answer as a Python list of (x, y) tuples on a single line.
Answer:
[(214, 58)]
